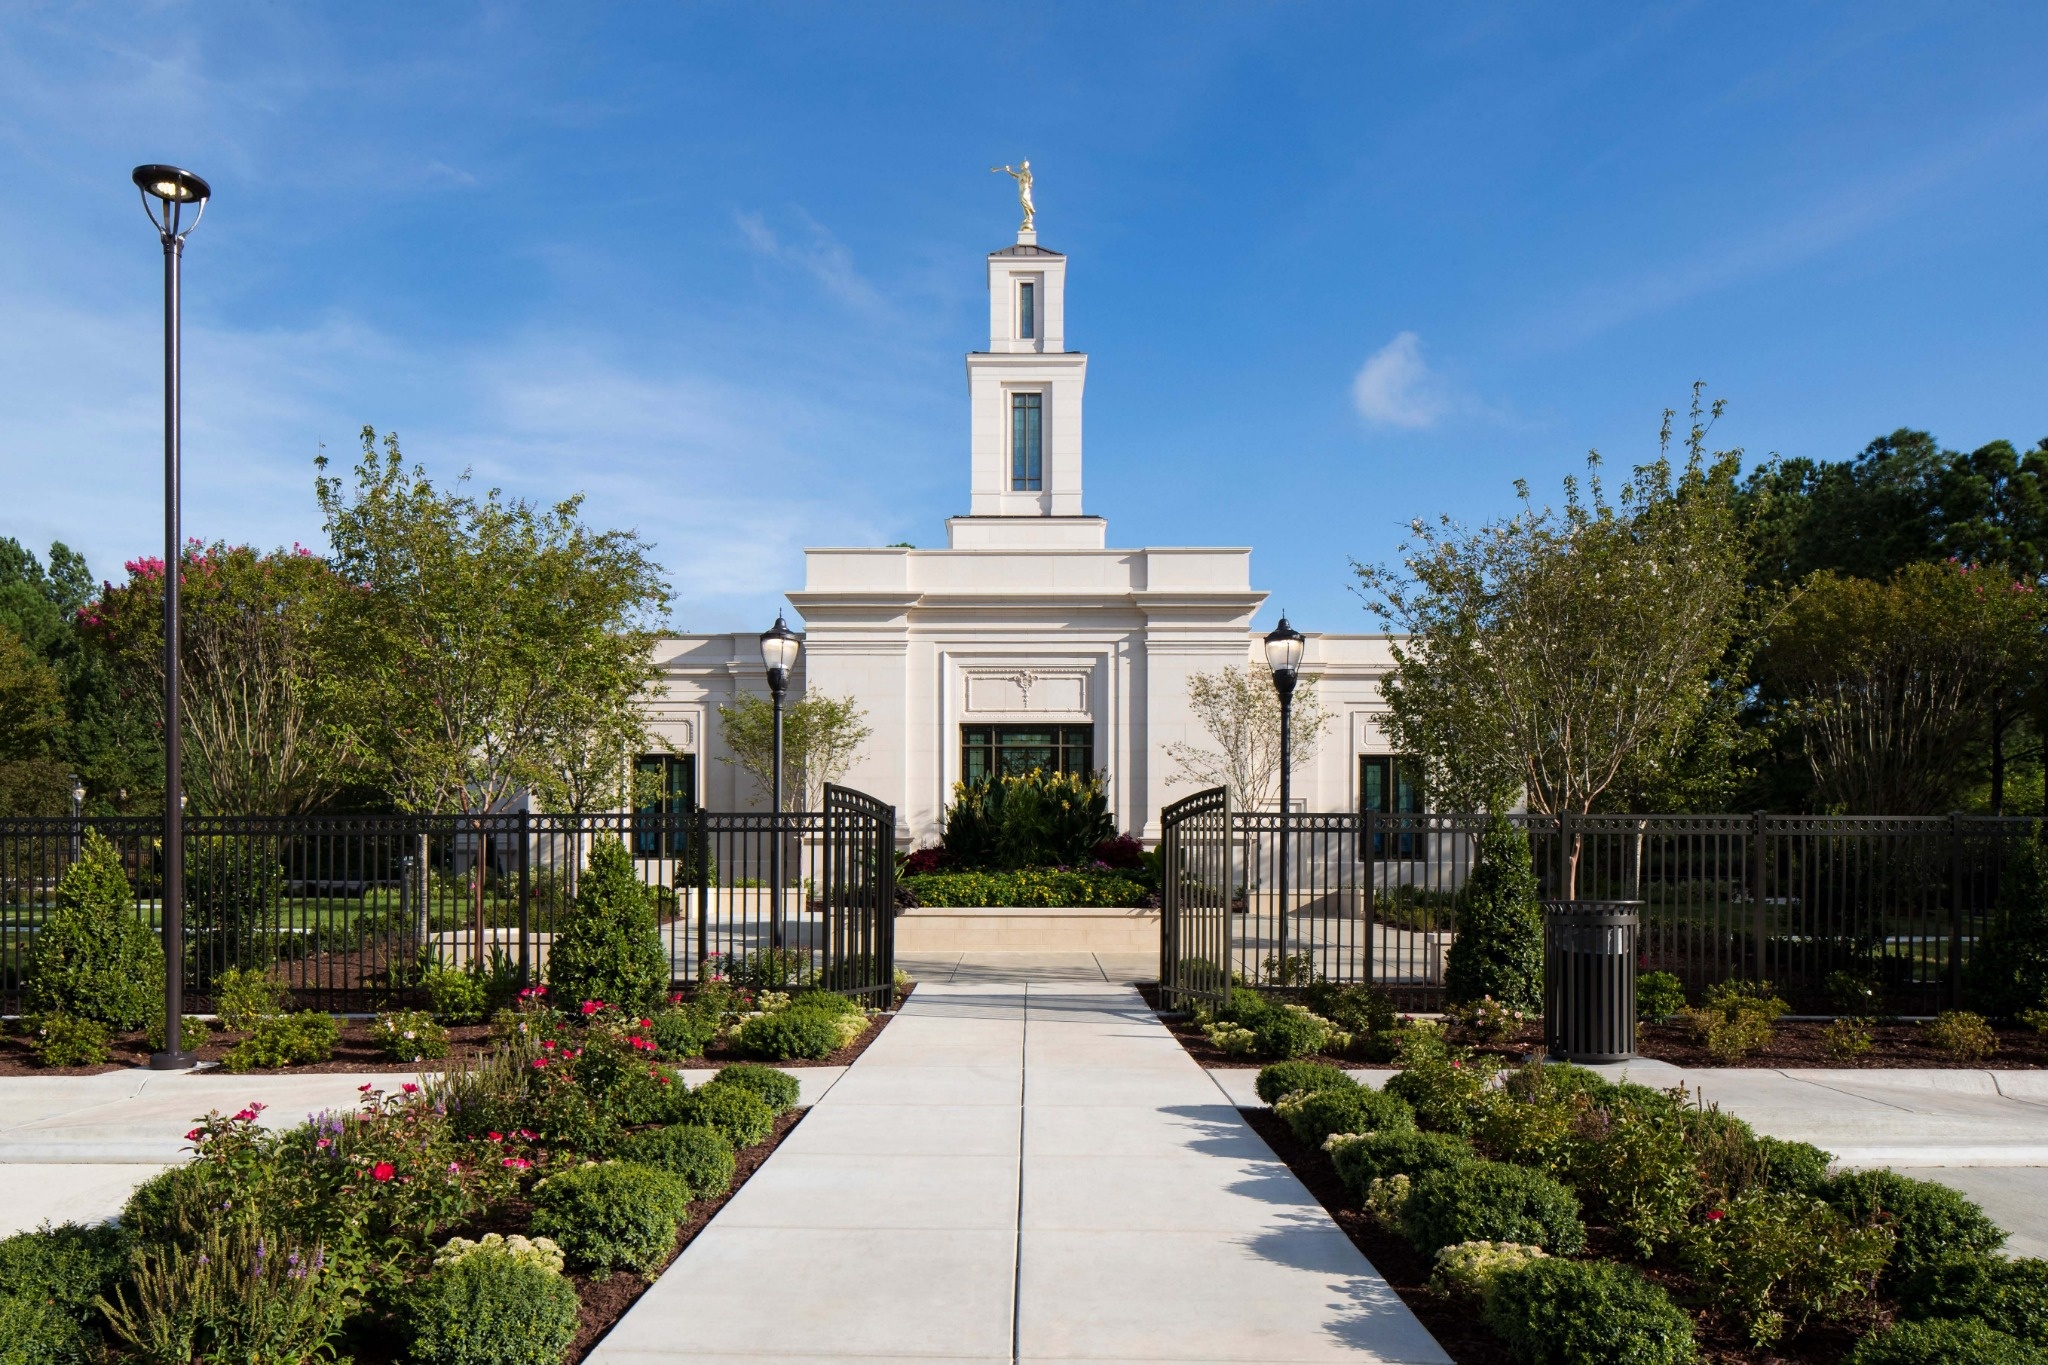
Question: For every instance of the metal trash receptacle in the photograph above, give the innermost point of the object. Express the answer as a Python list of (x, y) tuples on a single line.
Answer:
[(1589, 979)]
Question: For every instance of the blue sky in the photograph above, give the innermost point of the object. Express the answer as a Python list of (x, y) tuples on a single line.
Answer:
[(1337, 266)]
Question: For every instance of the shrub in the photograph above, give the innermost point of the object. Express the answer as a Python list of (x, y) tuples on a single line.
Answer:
[(193, 1033), (1772, 1259), (1037, 886), (455, 996), (1031, 820), (1929, 1220), (700, 1157), (61, 1040), (1963, 1341), (2008, 969), (1362, 1011), (619, 1214), (1498, 950), (780, 1089), (1962, 1035), (1797, 1166), (1486, 1019), (610, 949), (1443, 1092), (1316, 1114), (1470, 1267), (1380, 1155), (1847, 1038), (33, 1332), (1553, 1312), (49, 1282), (1736, 1019), (768, 969), (683, 1032), (787, 1034), (300, 1039), (1634, 1164), (1491, 1201), (1286, 1078), (2009, 1295), (242, 995), (1290, 1031), (94, 958), (491, 1308), (743, 1116), (1659, 995), (539, 1251), (1384, 1200), (409, 1036), (232, 887)]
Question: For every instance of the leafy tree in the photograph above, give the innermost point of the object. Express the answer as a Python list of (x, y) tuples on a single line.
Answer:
[(2009, 966), (1892, 684), (477, 632), (1556, 656), (33, 776), (1498, 950), (1241, 713), (611, 948), (256, 737), (821, 736), (94, 958)]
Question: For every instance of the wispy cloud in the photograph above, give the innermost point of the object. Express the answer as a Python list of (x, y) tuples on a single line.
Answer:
[(1395, 387), (820, 255)]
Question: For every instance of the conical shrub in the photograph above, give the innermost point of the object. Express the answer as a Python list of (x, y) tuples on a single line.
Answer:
[(610, 949), (94, 958), (1498, 950)]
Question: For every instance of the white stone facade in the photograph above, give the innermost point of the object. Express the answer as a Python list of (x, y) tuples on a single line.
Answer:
[(1026, 618)]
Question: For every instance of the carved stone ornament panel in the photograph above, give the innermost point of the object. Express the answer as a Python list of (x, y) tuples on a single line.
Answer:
[(1029, 690)]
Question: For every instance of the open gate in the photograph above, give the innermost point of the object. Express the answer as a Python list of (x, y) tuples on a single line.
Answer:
[(1197, 883), (858, 893)]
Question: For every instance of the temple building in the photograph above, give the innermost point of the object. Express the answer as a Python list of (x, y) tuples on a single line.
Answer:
[(1027, 641)]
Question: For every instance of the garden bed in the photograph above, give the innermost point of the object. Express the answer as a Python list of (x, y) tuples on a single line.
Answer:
[(1451, 1320), (356, 1051)]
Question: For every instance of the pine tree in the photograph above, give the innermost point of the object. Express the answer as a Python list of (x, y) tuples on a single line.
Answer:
[(611, 948), (1498, 950), (94, 958)]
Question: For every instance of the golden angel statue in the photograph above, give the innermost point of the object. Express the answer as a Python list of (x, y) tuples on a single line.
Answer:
[(1022, 175)]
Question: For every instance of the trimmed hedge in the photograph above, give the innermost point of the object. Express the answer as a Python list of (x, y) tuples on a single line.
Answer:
[(616, 1215), (788, 1034), (780, 1089), (1929, 1220), (743, 1116), (1554, 1312), (700, 1156), (2009, 1295), (1491, 1201), (1387, 1154), (1029, 887), (1285, 1078), (1314, 1116), (492, 1309), (1963, 1341)]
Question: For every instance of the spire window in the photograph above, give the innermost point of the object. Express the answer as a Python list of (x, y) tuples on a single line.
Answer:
[(1027, 310), (1027, 447)]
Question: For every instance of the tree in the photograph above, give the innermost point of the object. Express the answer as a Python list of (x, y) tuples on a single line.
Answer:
[(1893, 684), (94, 958), (1558, 656), (33, 776), (477, 634), (1241, 713), (257, 739), (821, 735), (611, 948), (1498, 950)]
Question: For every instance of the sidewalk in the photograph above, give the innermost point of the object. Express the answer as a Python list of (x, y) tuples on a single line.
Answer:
[(1021, 1172)]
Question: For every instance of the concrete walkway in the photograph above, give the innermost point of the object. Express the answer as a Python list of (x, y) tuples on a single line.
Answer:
[(1021, 1172)]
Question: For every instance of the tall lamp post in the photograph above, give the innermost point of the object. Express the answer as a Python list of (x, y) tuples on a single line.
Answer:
[(1283, 656), (779, 645), (77, 815), (167, 193)]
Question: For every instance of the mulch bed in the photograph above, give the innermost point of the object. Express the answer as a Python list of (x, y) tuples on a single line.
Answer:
[(1794, 1043), (1454, 1321), (355, 1052), (604, 1301)]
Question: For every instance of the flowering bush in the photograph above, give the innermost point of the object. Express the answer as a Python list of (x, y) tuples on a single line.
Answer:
[(1773, 1259), (1385, 1198), (1962, 1035), (492, 1305), (1470, 1267), (409, 1036), (537, 1250), (1486, 1019)]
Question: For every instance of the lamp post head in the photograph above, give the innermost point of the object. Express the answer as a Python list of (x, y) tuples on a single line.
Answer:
[(171, 190), (779, 645), (1283, 655), (77, 793)]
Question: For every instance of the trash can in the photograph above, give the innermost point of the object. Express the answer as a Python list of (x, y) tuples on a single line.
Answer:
[(1589, 979)]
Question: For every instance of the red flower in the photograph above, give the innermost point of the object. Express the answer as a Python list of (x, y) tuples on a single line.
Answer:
[(363, 1089), (676, 999), (257, 1106), (409, 1088), (383, 1171), (1715, 1215), (495, 1137), (517, 1163), (646, 1023), (244, 1115), (591, 1007), (193, 1136), (539, 1062)]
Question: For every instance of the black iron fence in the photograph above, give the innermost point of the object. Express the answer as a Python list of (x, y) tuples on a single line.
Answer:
[(349, 909), (1900, 902)]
